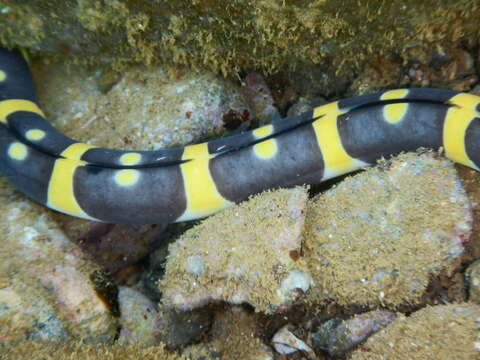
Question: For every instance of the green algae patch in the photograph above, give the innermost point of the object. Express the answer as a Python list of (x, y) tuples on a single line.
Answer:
[(247, 253), (379, 237), (32, 350), (440, 332), (227, 36)]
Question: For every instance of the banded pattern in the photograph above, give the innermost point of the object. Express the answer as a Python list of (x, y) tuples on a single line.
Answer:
[(181, 184)]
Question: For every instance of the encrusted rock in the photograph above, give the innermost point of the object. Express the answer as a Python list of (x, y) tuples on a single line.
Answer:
[(338, 336), (247, 253), (379, 237), (45, 279), (440, 332)]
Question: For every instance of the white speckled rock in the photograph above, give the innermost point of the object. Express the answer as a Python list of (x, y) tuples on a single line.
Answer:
[(146, 109), (248, 253)]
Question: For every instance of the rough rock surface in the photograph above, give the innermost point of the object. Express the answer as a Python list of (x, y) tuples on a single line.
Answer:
[(440, 332), (247, 253), (379, 237)]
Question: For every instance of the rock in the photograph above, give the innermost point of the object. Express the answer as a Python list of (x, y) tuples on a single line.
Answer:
[(248, 253), (304, 104), (440, 332), (285, 343), (140, 319), (338, 336), (143, 322), (473, 279), (258, 94), (148, 108), (377, 238), (45, 279), (31, 350)]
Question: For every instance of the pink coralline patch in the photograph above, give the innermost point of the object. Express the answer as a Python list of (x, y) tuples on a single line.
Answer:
[(39, 262)]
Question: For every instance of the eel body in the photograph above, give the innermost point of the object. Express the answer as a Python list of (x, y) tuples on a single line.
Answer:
[(195, 181)]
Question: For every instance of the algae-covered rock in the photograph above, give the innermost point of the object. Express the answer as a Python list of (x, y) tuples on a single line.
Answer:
[(31, 350), (442, 332), (230, 35), (379, 237), (45, 287), (247, 253)]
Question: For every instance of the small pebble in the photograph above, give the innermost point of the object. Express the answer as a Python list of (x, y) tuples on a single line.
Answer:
[(285, 343), (473, 280), (338, 336)]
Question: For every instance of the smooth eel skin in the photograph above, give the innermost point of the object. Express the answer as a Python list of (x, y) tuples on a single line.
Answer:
[(178, 184)]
